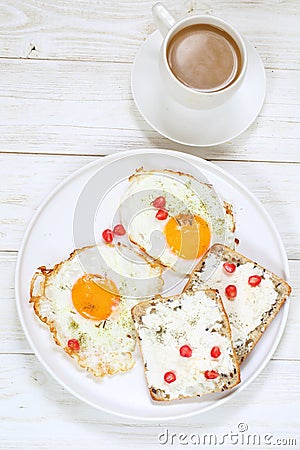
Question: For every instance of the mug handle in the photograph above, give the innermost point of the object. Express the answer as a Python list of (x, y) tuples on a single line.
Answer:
[(162, 18)]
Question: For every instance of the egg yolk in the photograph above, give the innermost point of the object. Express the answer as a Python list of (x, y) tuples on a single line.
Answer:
[(94, 297), (187, 235)]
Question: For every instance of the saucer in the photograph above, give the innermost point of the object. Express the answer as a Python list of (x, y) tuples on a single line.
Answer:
[(200, 128)]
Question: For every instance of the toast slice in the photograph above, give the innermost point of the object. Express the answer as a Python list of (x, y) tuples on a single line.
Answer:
[(253, 308), (176, 338)]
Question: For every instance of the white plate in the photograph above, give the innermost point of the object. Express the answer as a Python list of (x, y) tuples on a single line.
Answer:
[(187, 126), (49, 239)]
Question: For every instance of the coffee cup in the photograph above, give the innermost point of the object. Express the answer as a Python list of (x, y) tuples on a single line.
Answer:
[(203, 59)]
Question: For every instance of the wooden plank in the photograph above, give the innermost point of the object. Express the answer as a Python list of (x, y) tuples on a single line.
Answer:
[(79, 103), (65, 80), (63, 107), (91, 81), (276, 186), (286, 348), (113, 31), (26, 179), (57, 420), (13, 340)]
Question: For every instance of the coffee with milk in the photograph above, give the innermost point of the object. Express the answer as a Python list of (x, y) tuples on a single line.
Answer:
[(204, 57)]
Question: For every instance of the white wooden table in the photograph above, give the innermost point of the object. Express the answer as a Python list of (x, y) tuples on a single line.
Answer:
[(65, 100)]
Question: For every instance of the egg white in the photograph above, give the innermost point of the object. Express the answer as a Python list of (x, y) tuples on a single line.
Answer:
[(184, 195), (105, 346)]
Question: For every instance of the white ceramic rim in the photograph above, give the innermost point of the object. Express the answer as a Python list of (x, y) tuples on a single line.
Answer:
[(192, 159), (218, 23)]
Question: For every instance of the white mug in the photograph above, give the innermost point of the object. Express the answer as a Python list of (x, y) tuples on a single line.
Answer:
[(189, 97)]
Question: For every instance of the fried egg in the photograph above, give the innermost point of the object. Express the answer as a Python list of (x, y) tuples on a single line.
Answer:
[(190, 220), (86, 302)]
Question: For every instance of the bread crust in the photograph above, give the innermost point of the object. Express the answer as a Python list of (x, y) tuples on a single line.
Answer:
[(285, 289)]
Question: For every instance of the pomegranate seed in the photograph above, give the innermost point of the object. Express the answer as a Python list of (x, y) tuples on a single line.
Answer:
[(229, 267), (254, 280), (159, 202), (211, 374), (73, 345), (215, 352), (230, 291), (169, 377), (185, 351), (119, 230), (107, 236), (161, 214)]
